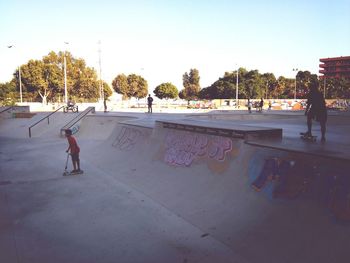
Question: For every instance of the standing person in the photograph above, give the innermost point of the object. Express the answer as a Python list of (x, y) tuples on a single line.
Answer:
[(149, 101), (74, 151), (105, 104), (316, 109), (261, 105), (249, 106)]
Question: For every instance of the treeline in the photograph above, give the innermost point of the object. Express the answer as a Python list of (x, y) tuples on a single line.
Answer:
[(252, 84), (43, 80)]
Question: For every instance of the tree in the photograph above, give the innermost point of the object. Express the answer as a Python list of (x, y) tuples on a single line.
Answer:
[(269, 83), (220, 89), (336, 88), (138, 86), (35, 78), (8, 93), (130, 86), (191, 85), (44, 79), (106, 90), (343, 85), (120, 85), (166, 91), (82, 81), (279, 88), (251, 84), (304, 79), (86, 85)]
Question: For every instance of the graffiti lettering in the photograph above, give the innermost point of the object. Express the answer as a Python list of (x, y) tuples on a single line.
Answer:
[(127, 138), (218, 147), (182, 148)]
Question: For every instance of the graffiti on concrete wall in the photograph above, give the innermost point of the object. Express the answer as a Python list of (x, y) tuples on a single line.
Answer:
[(75, 128), (128, 138), (182, 147), (291, 178), (218, 147)]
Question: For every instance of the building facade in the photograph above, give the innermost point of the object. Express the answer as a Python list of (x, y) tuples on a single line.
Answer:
[(338, 67)]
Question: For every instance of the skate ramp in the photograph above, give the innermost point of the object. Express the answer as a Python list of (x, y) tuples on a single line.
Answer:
[(243, 116), (98, 127), (19, 127), (151, 193), (208, 181)]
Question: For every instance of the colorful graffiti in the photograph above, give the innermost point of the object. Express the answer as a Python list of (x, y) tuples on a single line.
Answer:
[(128, 138), (183, 147), (293, 178), (75, 128)]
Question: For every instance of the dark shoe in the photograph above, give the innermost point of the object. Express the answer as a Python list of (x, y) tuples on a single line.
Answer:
[(323, 139)]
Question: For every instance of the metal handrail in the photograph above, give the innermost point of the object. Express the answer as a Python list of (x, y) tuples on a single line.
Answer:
[(46, 117), (77, 118), (8, 108)]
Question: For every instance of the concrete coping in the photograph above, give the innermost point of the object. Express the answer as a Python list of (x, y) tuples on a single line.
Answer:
[(327, 150), (222, 128)]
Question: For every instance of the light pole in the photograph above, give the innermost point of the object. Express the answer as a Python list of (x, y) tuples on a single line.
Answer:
[(237, 88), (65, 75), (102, 95), (19, 78), (295, 86)]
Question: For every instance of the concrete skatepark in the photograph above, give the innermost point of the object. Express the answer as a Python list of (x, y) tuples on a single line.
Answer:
[(171, 188)]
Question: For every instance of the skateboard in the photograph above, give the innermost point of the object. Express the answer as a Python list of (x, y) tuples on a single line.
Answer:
[(306, 137)]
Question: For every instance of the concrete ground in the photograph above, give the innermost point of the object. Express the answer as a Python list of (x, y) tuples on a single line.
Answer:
[(139, 201)]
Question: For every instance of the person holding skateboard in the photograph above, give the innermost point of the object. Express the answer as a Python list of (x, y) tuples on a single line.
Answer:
[(74, 151), (316, 109)]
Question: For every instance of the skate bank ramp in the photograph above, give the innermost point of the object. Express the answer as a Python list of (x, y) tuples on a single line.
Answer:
[(265, 205)]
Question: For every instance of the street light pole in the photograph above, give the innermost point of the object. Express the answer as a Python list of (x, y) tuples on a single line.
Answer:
[(65, 78), (19, 79), (237, 88), (65, 75), (102, 95), (20, 83), (295, 87)]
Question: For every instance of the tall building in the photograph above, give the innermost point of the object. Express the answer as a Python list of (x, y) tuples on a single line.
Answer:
[(338, 67)]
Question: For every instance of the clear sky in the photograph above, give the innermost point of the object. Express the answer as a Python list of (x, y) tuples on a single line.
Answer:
[(161, 40)]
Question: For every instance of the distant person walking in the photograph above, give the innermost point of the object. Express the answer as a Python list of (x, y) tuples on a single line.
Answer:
[(74, 151), (249, 106), (316, 109), (105, 104), (261, 104), (149, 101)]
